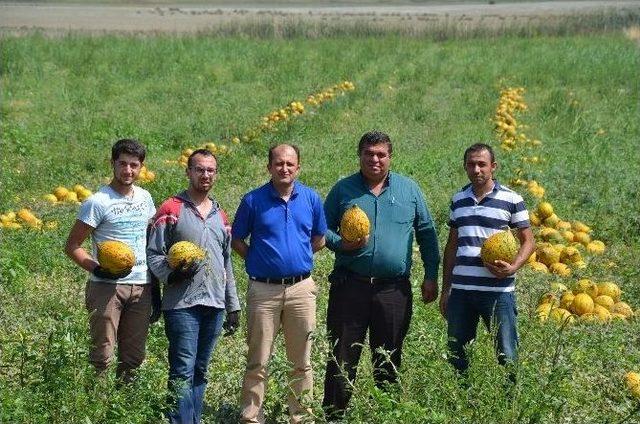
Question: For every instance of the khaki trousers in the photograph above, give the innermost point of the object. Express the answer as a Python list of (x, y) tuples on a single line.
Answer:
[(270, 306), (118, 313)]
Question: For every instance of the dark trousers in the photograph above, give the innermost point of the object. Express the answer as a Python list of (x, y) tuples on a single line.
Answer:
[(355, 307)]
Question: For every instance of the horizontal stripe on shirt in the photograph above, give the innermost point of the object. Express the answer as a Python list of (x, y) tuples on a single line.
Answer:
[(475, 222)]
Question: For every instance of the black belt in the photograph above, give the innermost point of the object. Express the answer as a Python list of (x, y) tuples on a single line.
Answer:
[(285, 280), (376, 280)]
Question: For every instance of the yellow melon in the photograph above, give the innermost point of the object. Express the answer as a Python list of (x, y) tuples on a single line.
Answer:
[(603, 314), (60, 192), (582, 238), (534, 219), (604, 300), (548, 256), (632, 380), (560, 269), (551, 220), (596, 247), (566, 299), (582, 304), (544, 210), (579, 226), (586, 286), (499, 246), (115, 256), (610, 289), (184, 253), (622, 308), (539, 267), (561, 316), (354, 224), (570, 255)]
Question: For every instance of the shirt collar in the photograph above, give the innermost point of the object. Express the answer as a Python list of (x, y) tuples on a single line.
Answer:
[(363, 180), (274, 193), (492, 193), (184, 195)]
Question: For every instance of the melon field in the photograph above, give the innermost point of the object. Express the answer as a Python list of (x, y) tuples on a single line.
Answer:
[(562, 111)]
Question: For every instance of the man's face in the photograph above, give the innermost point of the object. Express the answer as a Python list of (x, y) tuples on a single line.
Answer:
[(375, 160), (202, 173), (284, 165), (126, 169), (479, 167)]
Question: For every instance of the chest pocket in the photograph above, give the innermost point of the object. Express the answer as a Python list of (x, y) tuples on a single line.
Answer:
[(402, 212)]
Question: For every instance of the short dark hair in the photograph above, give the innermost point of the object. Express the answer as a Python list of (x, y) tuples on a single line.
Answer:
[(203, 152), (293, 146), (478, 147), (372, 138), (128, 146)]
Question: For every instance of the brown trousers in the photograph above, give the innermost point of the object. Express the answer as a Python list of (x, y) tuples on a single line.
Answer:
[(118, 313), (269, 307)]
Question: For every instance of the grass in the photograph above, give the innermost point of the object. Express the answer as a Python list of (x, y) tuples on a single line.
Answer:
[(65, 100)]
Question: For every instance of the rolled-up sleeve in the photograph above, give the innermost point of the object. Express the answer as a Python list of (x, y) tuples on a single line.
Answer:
[(332, 216), (426, 237)]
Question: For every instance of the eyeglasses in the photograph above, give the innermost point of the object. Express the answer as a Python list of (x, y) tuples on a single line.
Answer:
[(202, 171)]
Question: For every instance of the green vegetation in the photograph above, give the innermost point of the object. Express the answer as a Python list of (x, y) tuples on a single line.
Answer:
[(65, 100)]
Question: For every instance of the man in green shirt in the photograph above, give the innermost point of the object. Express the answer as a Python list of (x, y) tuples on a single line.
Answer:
[(370, 288)]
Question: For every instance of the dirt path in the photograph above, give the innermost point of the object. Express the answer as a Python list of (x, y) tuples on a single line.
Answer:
[(60, 18)]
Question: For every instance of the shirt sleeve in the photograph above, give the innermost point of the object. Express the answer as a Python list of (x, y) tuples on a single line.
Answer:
[(519, 214), (231, 294), (91, 213), (242, 223), (427, 237), (159, 238), (151, 207), (319, 220), (452, 220), (332, 216)]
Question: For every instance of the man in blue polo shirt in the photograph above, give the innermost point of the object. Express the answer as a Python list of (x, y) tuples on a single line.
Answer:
[(472, 289), (286, 225)]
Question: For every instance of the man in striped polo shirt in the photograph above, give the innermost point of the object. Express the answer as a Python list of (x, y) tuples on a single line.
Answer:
[(472, 289)]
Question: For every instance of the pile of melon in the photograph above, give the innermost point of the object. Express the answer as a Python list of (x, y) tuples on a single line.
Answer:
[(560, 245), (587, 301)]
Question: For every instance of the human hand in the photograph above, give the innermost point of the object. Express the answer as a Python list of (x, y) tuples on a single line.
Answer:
[(183, 272), (501, 269), (354, 245), (444, 300), (429, 290), (101, 272), (231, 323)]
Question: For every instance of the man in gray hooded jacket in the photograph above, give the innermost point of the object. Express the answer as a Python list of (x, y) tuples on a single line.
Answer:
[(195, 296)]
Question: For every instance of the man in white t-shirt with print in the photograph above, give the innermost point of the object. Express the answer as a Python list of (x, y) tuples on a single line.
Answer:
[(119, 305)]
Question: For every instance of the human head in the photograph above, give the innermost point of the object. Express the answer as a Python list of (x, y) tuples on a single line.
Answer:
[(374, 150), (480, 164), (129, 146), (479, 147), (293, 146), (284, 164), (127, 157), (372, 138), (202, 169)]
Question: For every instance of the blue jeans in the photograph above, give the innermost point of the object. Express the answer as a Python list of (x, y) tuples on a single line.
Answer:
[(192, 334), (498, 312)]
